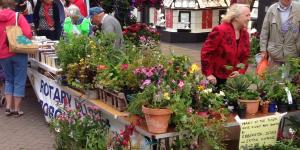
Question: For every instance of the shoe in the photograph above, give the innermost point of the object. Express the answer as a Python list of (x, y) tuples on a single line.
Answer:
[(8, 112), (18, 113)]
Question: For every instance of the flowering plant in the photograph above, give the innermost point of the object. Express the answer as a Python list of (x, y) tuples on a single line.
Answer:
[(141, 3), (141, 34), (164, 85), (74, 130), (122, 140)]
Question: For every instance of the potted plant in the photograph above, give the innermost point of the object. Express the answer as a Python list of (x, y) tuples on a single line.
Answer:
[(251, 100), (241, 111), (81, 76), (278, 94), (264, 106), (246, 95), (231, 99)]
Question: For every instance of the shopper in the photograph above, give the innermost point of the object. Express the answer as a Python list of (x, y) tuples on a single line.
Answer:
[(46, 18), (280, 38), (227, 45), (81, 25), (108, 24), (14, 65)]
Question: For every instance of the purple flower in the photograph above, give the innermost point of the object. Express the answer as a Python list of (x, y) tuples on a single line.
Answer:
[(145, 83)]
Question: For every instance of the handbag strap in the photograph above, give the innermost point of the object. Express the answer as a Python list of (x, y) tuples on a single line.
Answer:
[(17, 18)]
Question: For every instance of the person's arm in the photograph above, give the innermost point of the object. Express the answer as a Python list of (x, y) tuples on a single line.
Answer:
[(24, 25), (264, 35), (208, 51)]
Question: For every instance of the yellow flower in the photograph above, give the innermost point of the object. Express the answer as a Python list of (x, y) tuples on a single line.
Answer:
[(166, 96), (201, 88), (194, 68)]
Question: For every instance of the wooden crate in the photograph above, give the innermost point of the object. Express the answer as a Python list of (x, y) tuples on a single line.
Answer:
[(113, 98)]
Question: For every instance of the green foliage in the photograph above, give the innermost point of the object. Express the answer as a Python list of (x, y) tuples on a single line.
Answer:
[(238, 84), (81, 75), (277, 93), (120, 75), (249, 95), (75, 131), (254, 45), (71, 50), (280, 145)]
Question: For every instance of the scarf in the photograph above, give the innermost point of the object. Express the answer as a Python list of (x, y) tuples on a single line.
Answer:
[(48, 18)]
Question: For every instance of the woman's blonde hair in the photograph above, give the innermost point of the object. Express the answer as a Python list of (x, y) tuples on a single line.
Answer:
[(233, 12)]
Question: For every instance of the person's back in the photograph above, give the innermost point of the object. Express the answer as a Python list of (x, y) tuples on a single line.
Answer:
[(112, 25)]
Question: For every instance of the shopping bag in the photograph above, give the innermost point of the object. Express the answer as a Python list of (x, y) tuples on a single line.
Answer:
[(18, 43), (262, 67)]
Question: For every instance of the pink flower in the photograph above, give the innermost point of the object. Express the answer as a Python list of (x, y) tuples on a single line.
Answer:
[(181, 84), (190, 110), (143, 39)]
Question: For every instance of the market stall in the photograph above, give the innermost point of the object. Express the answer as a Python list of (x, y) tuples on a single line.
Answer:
[(199, 114)]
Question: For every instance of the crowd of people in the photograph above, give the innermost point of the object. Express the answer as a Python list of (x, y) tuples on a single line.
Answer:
[(228, 44), (43, 18)]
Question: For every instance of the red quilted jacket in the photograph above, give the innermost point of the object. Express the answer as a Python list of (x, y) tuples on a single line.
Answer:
[(221, 49)]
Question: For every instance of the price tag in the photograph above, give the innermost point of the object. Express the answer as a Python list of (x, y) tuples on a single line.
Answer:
[(289, 95)]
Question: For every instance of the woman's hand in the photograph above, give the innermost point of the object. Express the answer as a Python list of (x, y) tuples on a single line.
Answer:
[(212, 79), (234, 74)]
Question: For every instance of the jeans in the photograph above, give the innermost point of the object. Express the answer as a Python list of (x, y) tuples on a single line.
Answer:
[(15, 70)]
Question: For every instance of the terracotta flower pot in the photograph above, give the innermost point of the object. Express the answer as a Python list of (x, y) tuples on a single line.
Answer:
[(157, 119), (265, 108), (251, 106)]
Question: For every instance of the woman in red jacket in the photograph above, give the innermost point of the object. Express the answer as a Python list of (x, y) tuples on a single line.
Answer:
[(14, 65), (227, 45)]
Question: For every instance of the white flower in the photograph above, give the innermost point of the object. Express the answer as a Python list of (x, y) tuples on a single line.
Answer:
[(292, 131), (207, 91), (222, 93), (57, 129)]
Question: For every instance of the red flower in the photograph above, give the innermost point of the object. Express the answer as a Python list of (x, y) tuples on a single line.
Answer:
[(124, 66), (125, 143), (101, 67)]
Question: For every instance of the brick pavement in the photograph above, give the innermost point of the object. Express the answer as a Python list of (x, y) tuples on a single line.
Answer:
[(28, 132), (190, 49)]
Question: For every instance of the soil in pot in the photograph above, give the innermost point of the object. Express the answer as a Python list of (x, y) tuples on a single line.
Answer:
[(242, 113), (282, 108), (292, 107), (265, 108)]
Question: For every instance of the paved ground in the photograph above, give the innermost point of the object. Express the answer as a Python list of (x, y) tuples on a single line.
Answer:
[(31, 132), (189, 49), (28, 132)]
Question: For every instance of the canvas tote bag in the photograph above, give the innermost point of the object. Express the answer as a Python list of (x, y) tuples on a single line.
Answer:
[(17, 42)]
